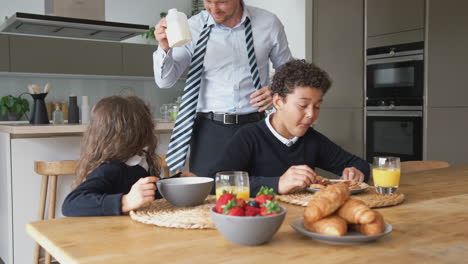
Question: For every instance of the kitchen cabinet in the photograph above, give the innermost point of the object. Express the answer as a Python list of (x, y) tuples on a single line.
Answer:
[(64, 56), (344, 127), (391, 22), (138, 59), (4, 54), (392, 16), (446, 133), (396, 38), (447, 54), (447, 81), (75, 56), (338, 48)]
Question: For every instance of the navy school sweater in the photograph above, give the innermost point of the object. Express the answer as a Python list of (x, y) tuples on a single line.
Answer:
[(101, 193), (256, 150)]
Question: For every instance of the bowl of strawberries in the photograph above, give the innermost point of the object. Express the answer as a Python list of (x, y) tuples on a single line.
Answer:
[(248, 223)]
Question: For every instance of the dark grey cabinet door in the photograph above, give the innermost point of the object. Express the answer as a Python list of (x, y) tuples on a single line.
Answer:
[(447, 53), (446, 135), (4, 53), (338, 48), (391, 16), (64, 56), (138, 59)]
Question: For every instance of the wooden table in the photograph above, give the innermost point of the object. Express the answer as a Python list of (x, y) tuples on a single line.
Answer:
[(431, 226)]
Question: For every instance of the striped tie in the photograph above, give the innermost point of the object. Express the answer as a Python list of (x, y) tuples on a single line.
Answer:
[(182, 133), (251, 54)]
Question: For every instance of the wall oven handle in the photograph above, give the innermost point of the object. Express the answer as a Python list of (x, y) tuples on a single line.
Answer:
[(395, 113), (395, 59)]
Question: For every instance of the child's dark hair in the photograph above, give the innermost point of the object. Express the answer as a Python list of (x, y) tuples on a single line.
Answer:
[(299, 73), (120, 127)]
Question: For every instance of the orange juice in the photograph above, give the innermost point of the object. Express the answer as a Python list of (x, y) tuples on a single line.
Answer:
[(240, 191), (387, 178)]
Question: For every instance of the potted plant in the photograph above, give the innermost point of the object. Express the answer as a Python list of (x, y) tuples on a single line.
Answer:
[(149, 35), (13, 107)]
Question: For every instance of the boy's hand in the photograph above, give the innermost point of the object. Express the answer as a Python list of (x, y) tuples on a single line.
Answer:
[(352, 174), (295, 178), (141, 192)]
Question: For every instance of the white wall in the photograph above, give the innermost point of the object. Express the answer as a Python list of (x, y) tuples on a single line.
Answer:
[(145, 12), (295, 16), (9, 7)]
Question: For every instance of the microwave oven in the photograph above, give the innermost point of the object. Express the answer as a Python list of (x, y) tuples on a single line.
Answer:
[(395, 75)]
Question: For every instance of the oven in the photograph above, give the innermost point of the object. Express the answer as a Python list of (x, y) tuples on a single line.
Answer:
[(395, 75), (394, 131)]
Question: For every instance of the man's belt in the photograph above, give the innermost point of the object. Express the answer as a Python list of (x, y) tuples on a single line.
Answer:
[(231, 119)]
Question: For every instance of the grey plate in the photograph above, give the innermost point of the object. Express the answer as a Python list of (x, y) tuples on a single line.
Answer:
[(355, 191), (351, 238)]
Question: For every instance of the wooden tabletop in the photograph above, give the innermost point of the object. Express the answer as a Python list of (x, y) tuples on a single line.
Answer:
[(431, 226)]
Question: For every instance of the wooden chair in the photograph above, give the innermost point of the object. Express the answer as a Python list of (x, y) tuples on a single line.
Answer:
[(164, 166), (422, 165), (50, 170)]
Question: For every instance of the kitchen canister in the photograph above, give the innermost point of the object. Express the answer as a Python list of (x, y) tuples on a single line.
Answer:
[(73, 110), (178, 31), (84, 110)]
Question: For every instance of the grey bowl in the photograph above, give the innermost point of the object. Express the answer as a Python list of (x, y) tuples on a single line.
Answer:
[(185, 191), (248, 230)]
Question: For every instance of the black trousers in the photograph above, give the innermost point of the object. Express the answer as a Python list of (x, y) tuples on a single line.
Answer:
[(208, 141)]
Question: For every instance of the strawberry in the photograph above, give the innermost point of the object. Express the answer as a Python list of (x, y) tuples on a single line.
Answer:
[(236, 211), (223, 200), (241, 203), (252, 211), (231, 208), (264, 194), (269, 208)]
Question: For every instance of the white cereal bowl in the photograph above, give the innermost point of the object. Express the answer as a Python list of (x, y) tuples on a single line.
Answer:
[(185, 191)]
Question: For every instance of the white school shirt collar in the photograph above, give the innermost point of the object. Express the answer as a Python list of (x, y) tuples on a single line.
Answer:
[(287, 142), (138, 160)]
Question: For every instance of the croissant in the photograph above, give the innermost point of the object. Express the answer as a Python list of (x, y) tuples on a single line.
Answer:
[(356, 212), (374, 228), (330, 225), (326, 201)]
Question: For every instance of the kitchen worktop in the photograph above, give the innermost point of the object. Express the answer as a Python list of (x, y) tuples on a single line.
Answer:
[(27, 130)]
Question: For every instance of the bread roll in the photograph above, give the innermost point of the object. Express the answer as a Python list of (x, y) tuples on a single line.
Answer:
[(356, 212), (326, 201), (374, 228), (331, 225)]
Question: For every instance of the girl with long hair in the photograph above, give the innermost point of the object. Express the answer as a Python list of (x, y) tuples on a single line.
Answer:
[(116, 161)]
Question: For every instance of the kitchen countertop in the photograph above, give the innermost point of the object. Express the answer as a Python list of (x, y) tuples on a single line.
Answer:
[(22, 130)]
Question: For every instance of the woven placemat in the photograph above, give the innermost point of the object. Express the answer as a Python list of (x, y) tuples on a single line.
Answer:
[(162, 213), (369, 197)]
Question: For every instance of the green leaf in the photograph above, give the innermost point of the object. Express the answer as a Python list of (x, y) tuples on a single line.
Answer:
[(14, 105), (3, 110)]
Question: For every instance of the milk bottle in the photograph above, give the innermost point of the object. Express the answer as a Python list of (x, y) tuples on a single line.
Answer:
[(178, 31)]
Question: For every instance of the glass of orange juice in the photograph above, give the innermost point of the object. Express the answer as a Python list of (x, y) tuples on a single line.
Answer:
[(233, 181), (386, 174)]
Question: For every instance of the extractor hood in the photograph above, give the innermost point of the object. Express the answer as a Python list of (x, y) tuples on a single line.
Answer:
[(70, 27)]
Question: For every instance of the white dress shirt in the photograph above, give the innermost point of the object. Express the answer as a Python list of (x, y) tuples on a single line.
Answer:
[(286, 141), (226, 83)]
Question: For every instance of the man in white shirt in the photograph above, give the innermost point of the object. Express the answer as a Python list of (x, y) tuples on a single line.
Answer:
[(227, 98)]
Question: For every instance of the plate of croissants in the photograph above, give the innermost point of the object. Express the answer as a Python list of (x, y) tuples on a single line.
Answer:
[(322, 182), (333, 217)]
